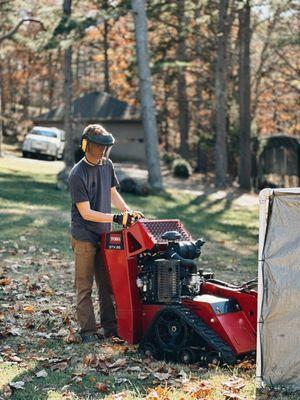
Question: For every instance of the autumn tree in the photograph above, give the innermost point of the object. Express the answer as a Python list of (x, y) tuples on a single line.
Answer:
[(199, 62), (9, 29)]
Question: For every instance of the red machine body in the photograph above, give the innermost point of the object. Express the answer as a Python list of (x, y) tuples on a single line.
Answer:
[(235, 324)]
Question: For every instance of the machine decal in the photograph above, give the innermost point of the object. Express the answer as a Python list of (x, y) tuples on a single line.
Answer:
[(114, 241)]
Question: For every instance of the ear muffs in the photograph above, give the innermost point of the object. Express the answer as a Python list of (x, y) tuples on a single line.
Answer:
[(84, 144)]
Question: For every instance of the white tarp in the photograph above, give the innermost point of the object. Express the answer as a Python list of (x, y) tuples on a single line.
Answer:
[(278, 340)]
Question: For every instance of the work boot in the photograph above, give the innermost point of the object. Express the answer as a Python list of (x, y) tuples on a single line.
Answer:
[(105, 334), (89, 338)]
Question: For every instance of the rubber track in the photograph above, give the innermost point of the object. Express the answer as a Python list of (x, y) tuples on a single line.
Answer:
[(209, 336)]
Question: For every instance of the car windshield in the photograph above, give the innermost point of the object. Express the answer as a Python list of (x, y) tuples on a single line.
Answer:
[(44, 133)]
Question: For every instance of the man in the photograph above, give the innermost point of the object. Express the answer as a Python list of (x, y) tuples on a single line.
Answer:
[(92, 184)]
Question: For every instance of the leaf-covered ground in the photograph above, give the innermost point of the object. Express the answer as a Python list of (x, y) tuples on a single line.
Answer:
[(40, 352)]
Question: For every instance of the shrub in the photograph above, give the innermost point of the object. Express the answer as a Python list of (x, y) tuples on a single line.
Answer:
[(169, 157), (181, 168)]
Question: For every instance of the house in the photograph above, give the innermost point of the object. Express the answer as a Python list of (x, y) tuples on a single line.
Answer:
[(121, 119)]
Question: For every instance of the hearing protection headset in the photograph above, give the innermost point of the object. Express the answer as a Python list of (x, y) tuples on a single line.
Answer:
[(104, 140)]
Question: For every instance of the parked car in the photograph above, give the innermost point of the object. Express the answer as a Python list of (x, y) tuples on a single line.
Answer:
[(48, 142)]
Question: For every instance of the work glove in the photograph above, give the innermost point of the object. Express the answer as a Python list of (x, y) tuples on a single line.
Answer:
[(137, 215), (125, 219)]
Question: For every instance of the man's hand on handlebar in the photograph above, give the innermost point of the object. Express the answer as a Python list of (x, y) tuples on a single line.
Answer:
[(127, 218), (137, 215)]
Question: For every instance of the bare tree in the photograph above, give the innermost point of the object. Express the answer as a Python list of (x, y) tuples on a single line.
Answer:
[(14, 30), (183, 108), (221, 95), (106, 48), (1, 110), (69, 148), (148, 110), (244, 95), (198, 84)]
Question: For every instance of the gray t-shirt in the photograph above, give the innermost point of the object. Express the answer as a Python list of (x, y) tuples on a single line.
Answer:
[(93, 184)]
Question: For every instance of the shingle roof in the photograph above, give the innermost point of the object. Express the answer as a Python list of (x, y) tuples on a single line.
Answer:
[(99, 106)]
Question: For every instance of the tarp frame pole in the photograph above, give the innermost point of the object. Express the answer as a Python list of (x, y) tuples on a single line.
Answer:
[(264, 198)]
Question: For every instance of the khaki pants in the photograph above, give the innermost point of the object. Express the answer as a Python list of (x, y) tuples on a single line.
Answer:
[(89, 264)]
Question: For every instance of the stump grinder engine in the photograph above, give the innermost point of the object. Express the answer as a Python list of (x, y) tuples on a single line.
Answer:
[(168, 305)]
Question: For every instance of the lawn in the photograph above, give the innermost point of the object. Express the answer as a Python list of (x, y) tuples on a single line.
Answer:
[(40, 355)]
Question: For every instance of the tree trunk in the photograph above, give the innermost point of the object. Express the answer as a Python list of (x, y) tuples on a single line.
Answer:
[(167, 95), (26, 89), (1, 110), (41, 96), (69, 147), (50, 81), (11, 87), (198, 89), (244, 38), (77, 71), (106, 47), (148, 110), (221, 96), (181, 84)]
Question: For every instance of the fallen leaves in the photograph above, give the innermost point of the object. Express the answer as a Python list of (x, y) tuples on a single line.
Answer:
[(198, 390), (143, 375), (14, 358), (119, 363), (232, 388), (7, 392), (71, 338), (90, 360), (5, 281), (39, 311), (235, 384), (17, 385), (29, 309), (41, 374), (161, 376), (59, 364), (101, 387), (158, 393), (247, 365), (10, 355), (47, 291), (104, 364), (11, 330)]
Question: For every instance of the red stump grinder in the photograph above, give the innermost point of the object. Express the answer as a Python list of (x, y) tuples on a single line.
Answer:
[(171, 307)]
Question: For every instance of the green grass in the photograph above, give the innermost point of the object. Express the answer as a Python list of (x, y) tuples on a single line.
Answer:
[(35, 254), (32, 206)]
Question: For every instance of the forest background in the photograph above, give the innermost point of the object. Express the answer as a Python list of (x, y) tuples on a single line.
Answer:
[(224, 73)]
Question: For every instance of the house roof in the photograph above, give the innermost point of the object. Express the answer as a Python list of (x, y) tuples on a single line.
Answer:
[(95, 106)]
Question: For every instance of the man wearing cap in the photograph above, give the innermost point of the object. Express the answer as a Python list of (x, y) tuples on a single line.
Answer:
[(92, 184)]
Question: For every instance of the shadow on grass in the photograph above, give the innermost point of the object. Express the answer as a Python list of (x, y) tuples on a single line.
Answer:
[(72, 380), (41, 232), (202, 219), (202, 216), (25, 189), (63, 382)]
